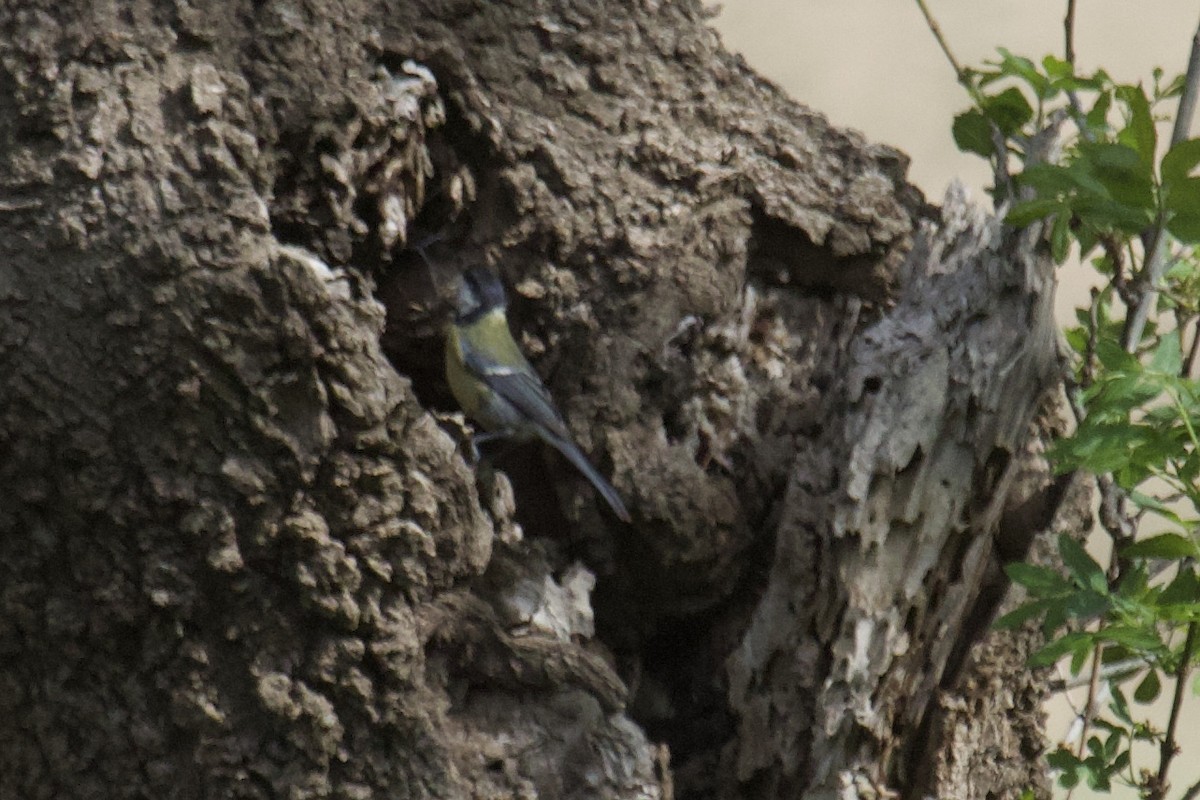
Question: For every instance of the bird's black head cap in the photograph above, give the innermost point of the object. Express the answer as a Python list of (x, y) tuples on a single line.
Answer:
[(479, 292)]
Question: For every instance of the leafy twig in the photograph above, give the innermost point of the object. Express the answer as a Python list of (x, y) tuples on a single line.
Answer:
[(1127, 619), (1156, 260)]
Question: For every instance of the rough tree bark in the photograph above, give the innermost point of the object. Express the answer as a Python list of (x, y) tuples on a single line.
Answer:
[(241, 551)]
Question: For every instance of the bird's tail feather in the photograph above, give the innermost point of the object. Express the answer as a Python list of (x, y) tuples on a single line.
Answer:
[(606, 490)]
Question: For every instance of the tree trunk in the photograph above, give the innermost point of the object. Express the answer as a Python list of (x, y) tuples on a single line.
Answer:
[(243, 550)]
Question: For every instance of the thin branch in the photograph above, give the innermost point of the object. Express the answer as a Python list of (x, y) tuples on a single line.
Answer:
[(1071, 387), (1088, 373), (1114, 574), (1112, 673), (1112, 248), (959, 72), (1069, 55), (1156, 260), (1189, 363), (1152, 272), (1169, 746), (1192, 793), (1089, 705), (1114, 512), (1069, 30), (1187, 101)]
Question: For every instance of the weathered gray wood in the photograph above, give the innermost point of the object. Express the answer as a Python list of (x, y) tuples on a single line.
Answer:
[(922, 434)]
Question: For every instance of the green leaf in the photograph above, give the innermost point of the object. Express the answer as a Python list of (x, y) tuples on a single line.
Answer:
[(1134, 581), (1097, 118), (1115, 157), (1085, 604), (1009, 110), (1141, 131), (1021, 614), (1183, 205), (1183, 269), (1172, 88), (1078, 339), (1023, 68), (1119, 705), (1083, 176), (1054, 620), (1179, 161), (1148, 503), (1167, 545), (1183, 592), (1096, 447), (1070, 766), (973, 133), (1168, 356), (1040, 581), (1057, 67), (1079, 641), (1097, 778), (1113, 356), (1135, 638), (1079, 657), (1031, 210), (1126, 176), (1063, 759), (1082, 567), (1101, 213), (1113, 216), (1121, 392), (1060, 238), (1087, 240), (1148, 690), (1048, 180)]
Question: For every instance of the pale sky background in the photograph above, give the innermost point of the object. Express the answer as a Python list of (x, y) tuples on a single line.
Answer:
[(873, 65)]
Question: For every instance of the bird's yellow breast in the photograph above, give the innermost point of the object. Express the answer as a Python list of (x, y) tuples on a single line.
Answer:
[(469, 391), (488, 338)]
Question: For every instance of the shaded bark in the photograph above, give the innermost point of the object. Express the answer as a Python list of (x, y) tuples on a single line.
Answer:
[(241, 551)]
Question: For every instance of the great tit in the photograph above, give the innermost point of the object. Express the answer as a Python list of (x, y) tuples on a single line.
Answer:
[(497, 387)]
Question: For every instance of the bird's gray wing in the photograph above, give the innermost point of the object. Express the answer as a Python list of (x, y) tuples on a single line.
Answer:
[(523, 390), (520, 387)]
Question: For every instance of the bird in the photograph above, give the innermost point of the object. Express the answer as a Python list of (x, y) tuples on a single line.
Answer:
[(497, 387)]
